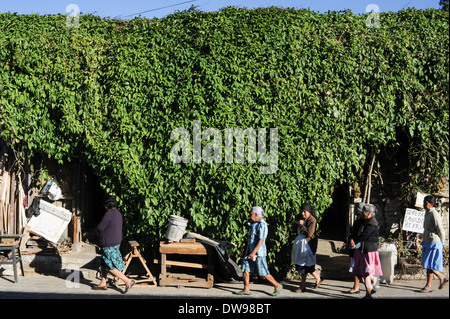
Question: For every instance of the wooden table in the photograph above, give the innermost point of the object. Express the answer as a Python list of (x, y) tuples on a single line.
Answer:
[(191, 248)]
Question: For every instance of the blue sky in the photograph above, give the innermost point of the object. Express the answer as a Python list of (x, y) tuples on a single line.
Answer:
[(127, 9)]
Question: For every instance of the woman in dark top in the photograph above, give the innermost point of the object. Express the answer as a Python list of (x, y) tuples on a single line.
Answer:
[(353, 234), (367, 263), (110, 237)]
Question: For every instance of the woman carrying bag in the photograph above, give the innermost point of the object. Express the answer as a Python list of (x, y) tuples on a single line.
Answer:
[(305, 246)]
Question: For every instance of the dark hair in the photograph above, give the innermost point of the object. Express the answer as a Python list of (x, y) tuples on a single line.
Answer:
[(110, 201), (430, 199), (308, 207)]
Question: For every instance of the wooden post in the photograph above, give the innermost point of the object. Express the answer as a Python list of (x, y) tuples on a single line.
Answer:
[(24, 239), (11, 212), (366, 198), (75, 234)]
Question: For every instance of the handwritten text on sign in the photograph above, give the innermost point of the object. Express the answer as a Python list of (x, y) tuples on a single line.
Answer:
[(413, 220)]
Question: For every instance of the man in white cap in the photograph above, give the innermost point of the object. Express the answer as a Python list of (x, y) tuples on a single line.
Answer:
[(255, 259)]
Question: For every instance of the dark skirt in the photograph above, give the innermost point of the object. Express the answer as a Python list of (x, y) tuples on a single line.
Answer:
[(305, 269)]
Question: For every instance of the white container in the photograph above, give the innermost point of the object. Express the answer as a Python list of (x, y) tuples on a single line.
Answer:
[(176, 229), (51, 222), (388, 259)]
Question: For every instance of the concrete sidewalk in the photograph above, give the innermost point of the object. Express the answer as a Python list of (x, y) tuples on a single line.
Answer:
[(60, 296), (37, 286)]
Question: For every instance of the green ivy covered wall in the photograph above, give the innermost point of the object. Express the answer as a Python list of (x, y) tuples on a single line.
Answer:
[(335, 90)]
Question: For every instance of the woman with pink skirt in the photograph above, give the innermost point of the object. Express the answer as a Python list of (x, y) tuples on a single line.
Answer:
[(367, 263)]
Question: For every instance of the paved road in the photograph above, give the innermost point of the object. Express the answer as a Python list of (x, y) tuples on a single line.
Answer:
[(401, 296)]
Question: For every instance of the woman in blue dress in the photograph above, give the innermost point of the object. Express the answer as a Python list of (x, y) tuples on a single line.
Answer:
[(432, 244)]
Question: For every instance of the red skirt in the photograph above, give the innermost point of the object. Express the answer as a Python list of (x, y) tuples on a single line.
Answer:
[(367, 264)]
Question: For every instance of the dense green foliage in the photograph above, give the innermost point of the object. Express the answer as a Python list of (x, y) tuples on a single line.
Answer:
[(335, 89)]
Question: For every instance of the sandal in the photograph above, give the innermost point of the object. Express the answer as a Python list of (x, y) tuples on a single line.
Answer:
[(132, 282), (318, 283), (353, 292), (99, 288), (241, 293), (443, 283), (278, 290), (426, 290), (299, 290)]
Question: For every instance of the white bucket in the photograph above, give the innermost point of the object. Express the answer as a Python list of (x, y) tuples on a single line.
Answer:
[(177, 226), (388, 260)]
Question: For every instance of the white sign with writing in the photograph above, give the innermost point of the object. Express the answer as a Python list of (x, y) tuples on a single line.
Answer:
[(413, 220)]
